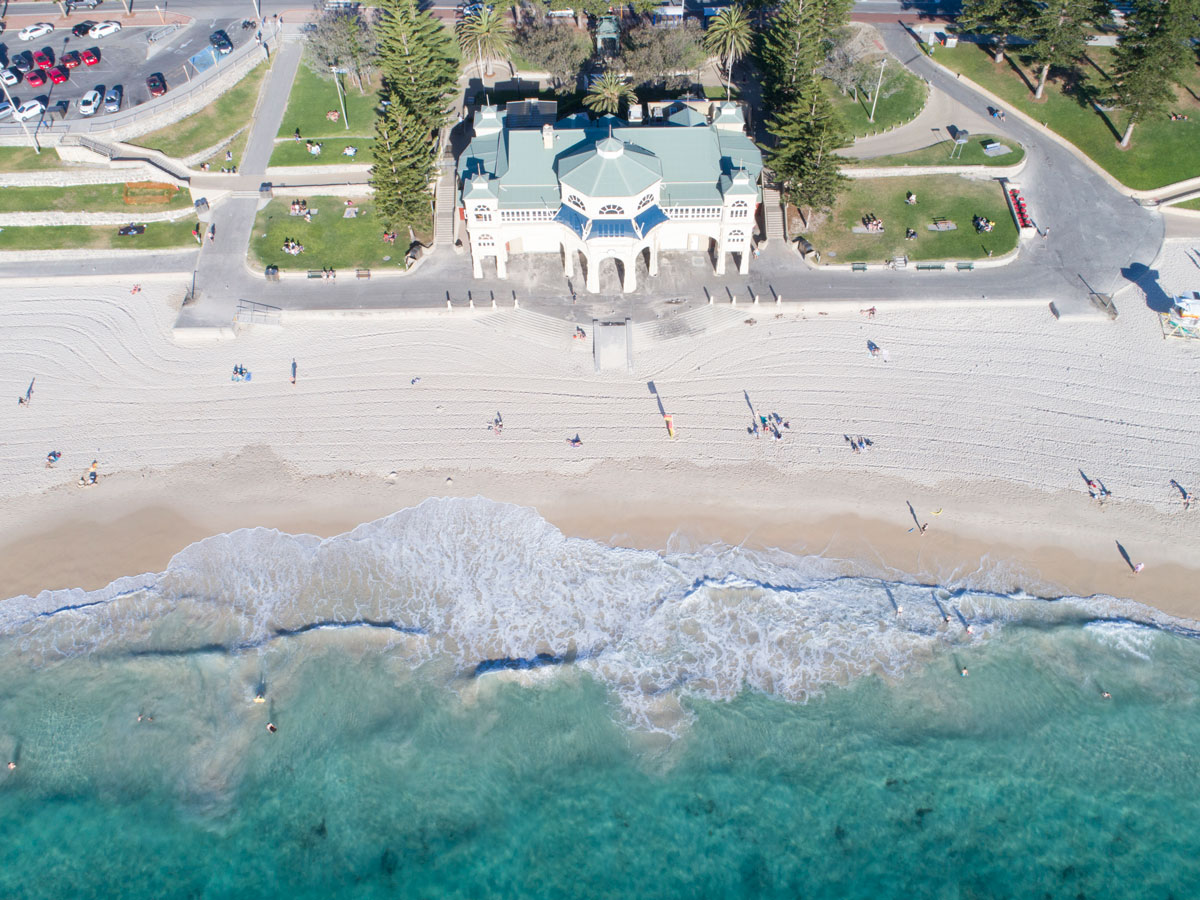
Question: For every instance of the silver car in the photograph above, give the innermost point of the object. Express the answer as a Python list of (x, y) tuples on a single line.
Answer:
[(112, 100)]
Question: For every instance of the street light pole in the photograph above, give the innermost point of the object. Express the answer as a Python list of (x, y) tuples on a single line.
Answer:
[(13, 106), (878, 85), (341, 102)]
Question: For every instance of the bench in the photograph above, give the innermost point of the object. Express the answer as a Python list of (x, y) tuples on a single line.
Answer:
[(930, 267), (965, 267), (362, 273), (316, 273), (858, 267)]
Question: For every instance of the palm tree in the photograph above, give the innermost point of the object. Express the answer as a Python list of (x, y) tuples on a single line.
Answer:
[(607, 93), (728, 36), (487, 36)]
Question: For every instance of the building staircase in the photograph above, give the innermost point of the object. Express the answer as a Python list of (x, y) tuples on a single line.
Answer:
[(773, 214), (443, 201)]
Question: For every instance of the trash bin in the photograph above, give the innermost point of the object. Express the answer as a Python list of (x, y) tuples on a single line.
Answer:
[(272, 273), (201, 205)]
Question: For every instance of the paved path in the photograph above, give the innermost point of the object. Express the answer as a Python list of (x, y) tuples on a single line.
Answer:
[(932, 125)]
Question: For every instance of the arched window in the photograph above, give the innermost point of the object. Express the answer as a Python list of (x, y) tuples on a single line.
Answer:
[(740, 208), (645, 201), (612, 209), (486, 240), (482, 214), (574, 201), (737, 236)]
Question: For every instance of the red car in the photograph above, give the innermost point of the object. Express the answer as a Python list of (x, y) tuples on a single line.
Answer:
[(70, 60), (35, 78), (91, 57), (156, 84), (58, 74), (42, 60)]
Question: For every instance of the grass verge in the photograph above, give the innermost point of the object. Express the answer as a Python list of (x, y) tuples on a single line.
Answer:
[(939, 155), (25, 159), (293, 153), (903, 104), (329, 240), (158, 236), (1161, 151), (221, 118), (94, 198), (1188, 204), (938, 196), (312, 97)]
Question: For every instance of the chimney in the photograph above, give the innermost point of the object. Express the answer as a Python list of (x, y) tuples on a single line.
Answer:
[(548, 136)]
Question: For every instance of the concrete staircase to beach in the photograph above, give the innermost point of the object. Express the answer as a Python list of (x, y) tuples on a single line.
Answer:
[(701, 320), (773, 214), (443, 224), (538, 328)]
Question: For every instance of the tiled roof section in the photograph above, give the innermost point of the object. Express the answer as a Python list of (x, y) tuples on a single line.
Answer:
[(610, 168), (572, 218), (648, 218)]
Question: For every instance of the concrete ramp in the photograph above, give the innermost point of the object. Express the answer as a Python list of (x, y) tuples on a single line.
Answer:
[(612, 345)]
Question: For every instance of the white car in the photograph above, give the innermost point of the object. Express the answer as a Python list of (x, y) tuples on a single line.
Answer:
[(104, 29), (10, 77), (5, 109), (89, 103), (33, 32), (30, 109)]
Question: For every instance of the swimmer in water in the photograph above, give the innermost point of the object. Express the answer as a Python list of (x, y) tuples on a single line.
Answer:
[(271, 727), (946, 618), (259, 698), (11, 765), (899, 610), (1106, 695), (964, 671), (970, 629)]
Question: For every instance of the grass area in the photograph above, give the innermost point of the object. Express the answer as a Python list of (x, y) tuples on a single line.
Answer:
[(237, 147), (24, 159), (329, 240), (939, 155), (1187, 204), (295, 153), (221, 118), (94, 198), (1161, 152), (903, 104), (158, 236), (944, 196), (312, 97)]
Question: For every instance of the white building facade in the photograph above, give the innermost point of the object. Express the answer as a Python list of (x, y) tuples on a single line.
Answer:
[(592, 191)]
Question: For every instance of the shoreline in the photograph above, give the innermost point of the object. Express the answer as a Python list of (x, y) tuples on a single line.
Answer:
[(134, 523)]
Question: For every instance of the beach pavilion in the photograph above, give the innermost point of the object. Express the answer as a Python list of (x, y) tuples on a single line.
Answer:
[(594, 190)]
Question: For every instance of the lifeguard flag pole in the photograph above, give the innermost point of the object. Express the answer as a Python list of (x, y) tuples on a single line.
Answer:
[(670, 420)]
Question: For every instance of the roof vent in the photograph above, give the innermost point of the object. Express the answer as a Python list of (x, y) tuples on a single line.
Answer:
[(610, 148)]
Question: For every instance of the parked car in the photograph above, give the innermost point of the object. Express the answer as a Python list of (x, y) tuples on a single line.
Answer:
[(91, 57), (128, 230), (42, 59), (35, 78), (30, 109), (83, 4), (58, 74), (11, 77), (71, 60), (221, 42), (104, 29), (23, 62), (89, 103), (156, 84), (83, 29), (112, 100), (5, 109), (33, 32)]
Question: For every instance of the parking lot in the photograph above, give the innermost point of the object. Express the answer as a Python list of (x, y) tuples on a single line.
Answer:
[(126, 59)]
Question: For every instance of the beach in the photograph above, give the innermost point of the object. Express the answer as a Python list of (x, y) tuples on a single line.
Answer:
[(985, 418)]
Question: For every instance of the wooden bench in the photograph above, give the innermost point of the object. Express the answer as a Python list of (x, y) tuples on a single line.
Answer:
[(858, 267), (316, 273), (362, 273), (930, 267), (966, 267)]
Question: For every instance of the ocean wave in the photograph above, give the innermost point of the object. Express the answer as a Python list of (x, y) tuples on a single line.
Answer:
[(486, 587)]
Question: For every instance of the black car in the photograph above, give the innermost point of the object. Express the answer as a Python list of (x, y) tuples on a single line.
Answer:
[(23, 62), (82, 29), (221, 43), (128, 230)]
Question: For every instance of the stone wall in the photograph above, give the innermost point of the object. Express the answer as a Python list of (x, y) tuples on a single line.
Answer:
[(57, 217), (118, 174)]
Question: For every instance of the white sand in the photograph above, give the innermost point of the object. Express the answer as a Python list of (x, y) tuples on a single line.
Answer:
[(986, 413)]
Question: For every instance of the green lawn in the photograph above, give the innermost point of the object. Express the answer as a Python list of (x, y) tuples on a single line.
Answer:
[(295, 153), (945, 196), (1188, 204), (158, 236), (901, 106), (939, 155), (329, 240), (24, 159), (1161, 152), (84, 198), (221, 118), (312, 97), (237, 147)]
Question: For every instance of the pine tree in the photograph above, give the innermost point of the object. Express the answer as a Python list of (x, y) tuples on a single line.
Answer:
[(1151, 57), (998, 19), (809, 133), (417, 58), (404, 165), (794, 44), (1059, 31)]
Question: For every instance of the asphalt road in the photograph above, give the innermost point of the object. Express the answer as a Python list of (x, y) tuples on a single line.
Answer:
[(125, 60)]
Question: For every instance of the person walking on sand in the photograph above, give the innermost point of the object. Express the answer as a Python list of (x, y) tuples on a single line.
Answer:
[(1138, 568), (293, 370)]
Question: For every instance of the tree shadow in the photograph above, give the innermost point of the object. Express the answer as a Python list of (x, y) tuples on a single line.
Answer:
[(1147, 279), (1084, 91)]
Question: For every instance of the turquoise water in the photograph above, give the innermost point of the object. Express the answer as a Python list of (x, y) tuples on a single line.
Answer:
[(705, 723)]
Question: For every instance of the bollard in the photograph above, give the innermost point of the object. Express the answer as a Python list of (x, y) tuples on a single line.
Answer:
[(493, 303), (710, 299), (470, 303), (756, 299), (733, 299), (778, 300), (448, 306), (516, 303)]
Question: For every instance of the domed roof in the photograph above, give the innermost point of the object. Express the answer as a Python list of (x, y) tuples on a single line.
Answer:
[(610, 168)]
